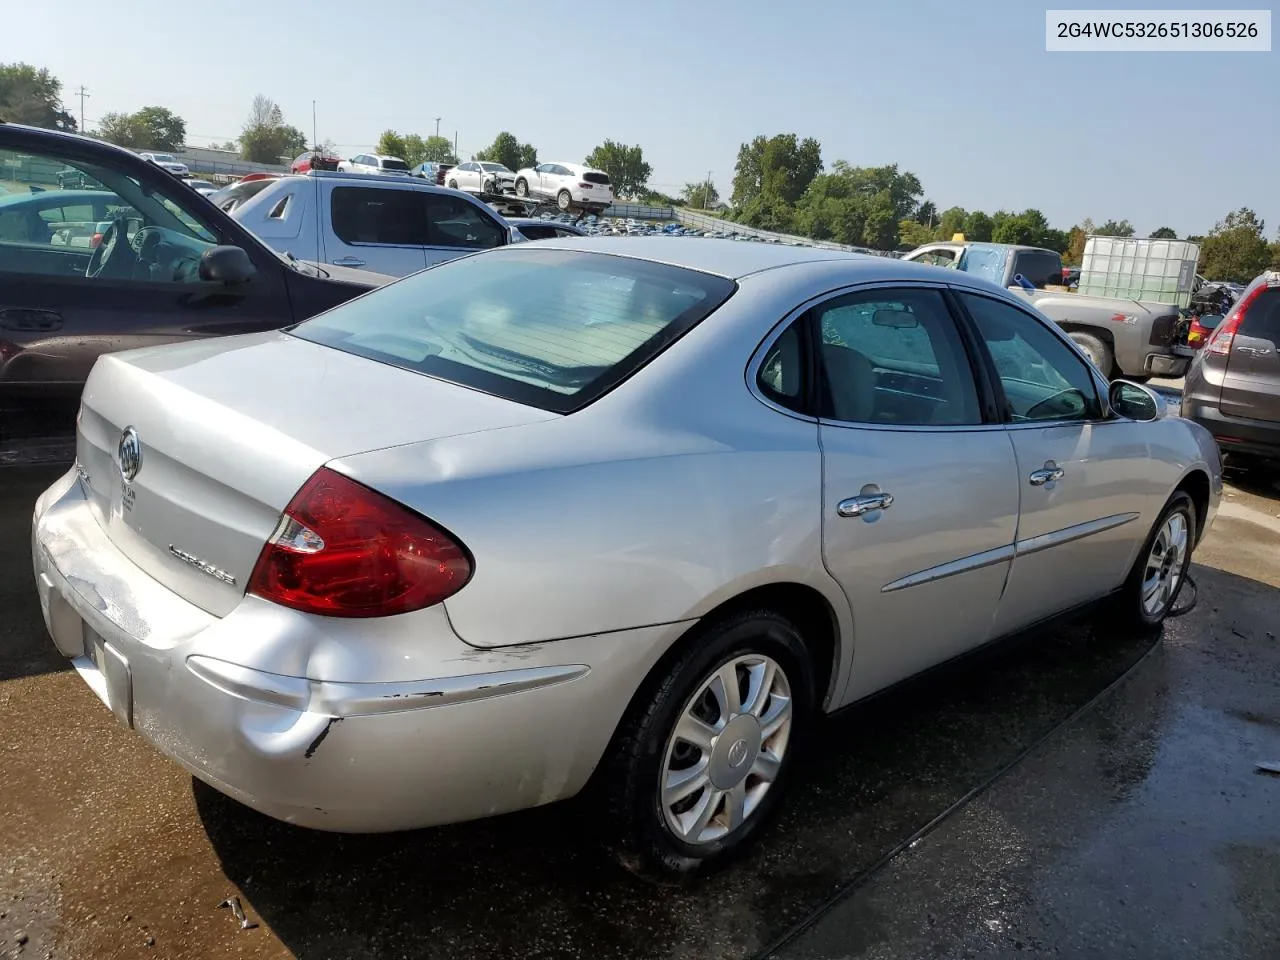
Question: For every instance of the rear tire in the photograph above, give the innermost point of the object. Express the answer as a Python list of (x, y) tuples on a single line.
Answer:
[(1161, 568), (1096, 349), (453, 184), (665, 828), (564, 199)]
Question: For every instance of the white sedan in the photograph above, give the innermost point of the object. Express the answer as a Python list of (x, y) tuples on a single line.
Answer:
[(480, 176), (593, 511)]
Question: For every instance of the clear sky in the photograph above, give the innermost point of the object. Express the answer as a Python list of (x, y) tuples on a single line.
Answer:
[(962, 94)]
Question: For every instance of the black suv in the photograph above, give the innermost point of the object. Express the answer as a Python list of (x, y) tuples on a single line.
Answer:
[(101, 251), (1233, 386)]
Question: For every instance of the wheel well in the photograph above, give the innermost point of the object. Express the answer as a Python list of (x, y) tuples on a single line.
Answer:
[(1196, 484), (803, 606), (1101, 334)]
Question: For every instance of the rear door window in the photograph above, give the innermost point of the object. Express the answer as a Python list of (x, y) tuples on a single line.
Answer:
[(370, 215), (1041, 268), (454, 221)]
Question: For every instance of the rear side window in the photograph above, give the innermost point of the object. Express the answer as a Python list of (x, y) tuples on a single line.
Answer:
[(456, 222), (1262, 319), (393, 164), (554, 329), (1041, 269), (372, 215)]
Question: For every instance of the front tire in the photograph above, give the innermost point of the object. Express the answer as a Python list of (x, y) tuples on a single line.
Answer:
[(708, 747), (453, 184), (1161, 568), (522, 189), (1097, 350)]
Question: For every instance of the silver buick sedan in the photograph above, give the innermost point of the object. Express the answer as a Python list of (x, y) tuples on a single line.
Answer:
[(618, 514)]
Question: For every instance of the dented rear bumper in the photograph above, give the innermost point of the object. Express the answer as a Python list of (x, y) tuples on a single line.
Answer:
[(346, 725)]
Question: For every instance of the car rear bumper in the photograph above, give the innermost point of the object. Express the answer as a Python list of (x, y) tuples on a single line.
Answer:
[(281, 711), (1260, 438), (1167, 365)]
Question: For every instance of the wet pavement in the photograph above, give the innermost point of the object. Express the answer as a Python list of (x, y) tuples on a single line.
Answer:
[(1126, 824)]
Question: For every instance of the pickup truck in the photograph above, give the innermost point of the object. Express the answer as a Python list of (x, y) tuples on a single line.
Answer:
[(1133, 339)]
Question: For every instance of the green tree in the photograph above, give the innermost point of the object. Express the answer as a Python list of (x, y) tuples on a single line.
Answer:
[(164, 129), (926, 213), (1164, 233), (509, 152), (32, 96), (702, 195), (913, 233), (1235, 248), (413, 149), (952, 222), (1075, 242), (658, 199), (120, 129), (779, 168), (266, 138), (1112, 228), (625, 166), (391, 144), (978, 227), (862, 206)]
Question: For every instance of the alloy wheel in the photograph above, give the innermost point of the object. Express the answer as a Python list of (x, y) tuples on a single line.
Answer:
[(1163, 573), (727, 748)]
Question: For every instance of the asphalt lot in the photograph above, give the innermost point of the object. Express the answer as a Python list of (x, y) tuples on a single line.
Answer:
[(1079, 793)]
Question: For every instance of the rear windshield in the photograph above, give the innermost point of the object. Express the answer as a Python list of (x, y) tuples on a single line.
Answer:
[(394, 165), (554, 329), (592, 177)]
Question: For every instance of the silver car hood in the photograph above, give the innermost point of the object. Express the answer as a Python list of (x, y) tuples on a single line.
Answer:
[(229, 429)]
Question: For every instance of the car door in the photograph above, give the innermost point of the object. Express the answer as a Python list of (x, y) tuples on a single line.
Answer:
[(379, 227), (1251, 382), (920, 499), (63, 304), (458, 225), (1084, 481)]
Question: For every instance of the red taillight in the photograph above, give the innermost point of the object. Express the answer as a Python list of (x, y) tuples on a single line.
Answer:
[(95, 241), (584, 186), (343, 550), (1223, 334), (1220, 342)]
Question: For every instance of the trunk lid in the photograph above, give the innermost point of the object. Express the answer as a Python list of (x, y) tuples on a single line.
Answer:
[(227, 431), (1251, 381)]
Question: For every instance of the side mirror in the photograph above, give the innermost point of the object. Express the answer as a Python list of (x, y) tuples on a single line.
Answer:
[(1136, 402), (226, 264)]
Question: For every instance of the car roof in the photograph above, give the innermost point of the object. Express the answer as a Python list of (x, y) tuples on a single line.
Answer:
[(725, 258), (36, 134)]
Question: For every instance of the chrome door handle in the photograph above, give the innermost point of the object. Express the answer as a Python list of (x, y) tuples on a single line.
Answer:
[(347, 262), (1048, 474), (865, 503)]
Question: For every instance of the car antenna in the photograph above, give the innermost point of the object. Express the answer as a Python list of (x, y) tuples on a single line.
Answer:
[(315, 148)]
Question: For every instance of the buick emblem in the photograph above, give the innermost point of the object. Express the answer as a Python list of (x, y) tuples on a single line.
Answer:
[(129, 454)]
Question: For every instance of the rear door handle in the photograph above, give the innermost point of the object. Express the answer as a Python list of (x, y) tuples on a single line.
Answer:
[(1049, 473), (347, 262), (29, 321), (864, 503)]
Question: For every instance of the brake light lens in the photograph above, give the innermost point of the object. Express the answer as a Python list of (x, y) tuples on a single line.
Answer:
[(1220, 342), (343, 550), (95, 241)]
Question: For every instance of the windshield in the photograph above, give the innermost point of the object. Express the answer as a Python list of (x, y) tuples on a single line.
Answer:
[(390, 163), (554, 329), (163, 158)]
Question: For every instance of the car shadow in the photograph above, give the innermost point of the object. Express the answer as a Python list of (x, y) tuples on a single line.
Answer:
[(534, 884), (25, 647), (1261, 481)]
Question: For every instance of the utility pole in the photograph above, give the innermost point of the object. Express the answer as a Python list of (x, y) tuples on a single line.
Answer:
[(455, 144), (437, 126), (315, 137), (82, 93), (706, 190)]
